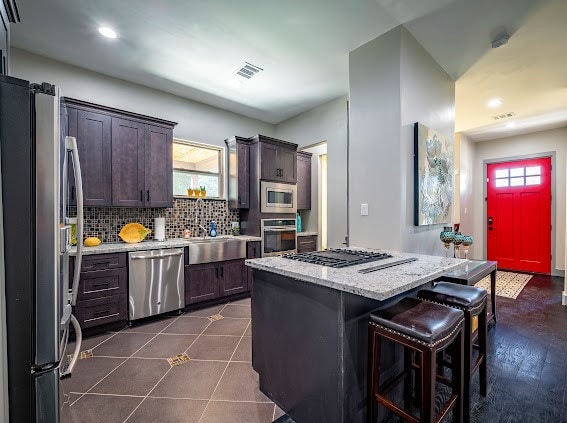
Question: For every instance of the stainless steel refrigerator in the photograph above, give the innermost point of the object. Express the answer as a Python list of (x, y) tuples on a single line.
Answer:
[(36, 160)]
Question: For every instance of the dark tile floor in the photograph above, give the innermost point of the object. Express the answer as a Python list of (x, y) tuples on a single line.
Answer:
[(128, 377)]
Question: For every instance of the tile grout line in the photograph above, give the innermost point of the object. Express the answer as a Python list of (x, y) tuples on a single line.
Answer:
[(168, 370), (125, 360), (224, 371)]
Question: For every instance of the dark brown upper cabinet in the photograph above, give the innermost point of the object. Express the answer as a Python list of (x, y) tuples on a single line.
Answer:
[(278, 160), (128, 163), (93, 134), (126, 158), (303, 180), (159, 166), (238, 149)]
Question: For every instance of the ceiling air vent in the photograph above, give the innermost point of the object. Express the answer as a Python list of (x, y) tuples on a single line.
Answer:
[(503, 116), (248, 70)]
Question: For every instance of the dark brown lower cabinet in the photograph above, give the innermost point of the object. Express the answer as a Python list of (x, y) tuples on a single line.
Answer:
[(102, 296), (232, 277), (253, 250), (214, 280), (201, 282)]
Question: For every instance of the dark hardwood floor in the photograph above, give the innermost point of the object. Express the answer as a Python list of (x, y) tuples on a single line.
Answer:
[(527, 359)]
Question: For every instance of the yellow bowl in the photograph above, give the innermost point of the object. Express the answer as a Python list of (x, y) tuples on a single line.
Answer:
[(133, 232)]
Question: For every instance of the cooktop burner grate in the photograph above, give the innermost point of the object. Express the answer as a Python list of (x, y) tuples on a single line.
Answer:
[(338, 258)]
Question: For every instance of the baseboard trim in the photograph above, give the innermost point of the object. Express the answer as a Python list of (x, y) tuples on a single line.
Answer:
[(564, 298), (557, 272)]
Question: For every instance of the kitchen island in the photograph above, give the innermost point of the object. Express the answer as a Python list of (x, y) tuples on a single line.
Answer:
[(309, 330)]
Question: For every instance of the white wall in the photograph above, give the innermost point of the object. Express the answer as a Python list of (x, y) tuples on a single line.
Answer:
[(196, 121), (554, 140), (428, 97), (394, 83), (375, 156), (466, 175), (310, 219), (325, 123)]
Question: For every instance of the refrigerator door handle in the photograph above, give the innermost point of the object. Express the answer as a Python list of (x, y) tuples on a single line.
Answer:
[(71, 145)]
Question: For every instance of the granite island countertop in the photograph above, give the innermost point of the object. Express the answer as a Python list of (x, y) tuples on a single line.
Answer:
[(121, 247), (379, 285)]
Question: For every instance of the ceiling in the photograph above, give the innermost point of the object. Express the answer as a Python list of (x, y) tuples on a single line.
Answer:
[(193, 49)]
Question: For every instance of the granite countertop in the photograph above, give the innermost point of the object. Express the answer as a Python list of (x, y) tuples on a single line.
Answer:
[(120, 247), (307, 233), (379, 285)]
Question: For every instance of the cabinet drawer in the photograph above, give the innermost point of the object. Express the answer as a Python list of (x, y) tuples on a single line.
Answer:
[(100, 311), (253, 249), (306, 244), (103, 262), (102, 283)]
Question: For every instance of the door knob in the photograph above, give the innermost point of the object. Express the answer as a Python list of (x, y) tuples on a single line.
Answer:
[(490, 221)]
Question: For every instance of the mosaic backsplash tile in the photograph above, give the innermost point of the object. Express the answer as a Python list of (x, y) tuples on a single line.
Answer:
[(106, 222)]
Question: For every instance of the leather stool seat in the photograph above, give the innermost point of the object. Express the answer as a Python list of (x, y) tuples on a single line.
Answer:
[(421, 320), (454, 295)]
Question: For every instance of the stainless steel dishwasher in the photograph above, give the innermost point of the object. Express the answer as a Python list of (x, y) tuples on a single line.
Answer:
[(156, 284)]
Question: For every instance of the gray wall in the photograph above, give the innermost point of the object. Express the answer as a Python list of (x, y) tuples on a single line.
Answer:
[(325, 123), (394, 83), (554, 140), (375, 155), (428, 97), (197, 121)]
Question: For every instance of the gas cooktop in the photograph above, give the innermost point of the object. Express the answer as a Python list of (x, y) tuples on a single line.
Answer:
[(338, 258)]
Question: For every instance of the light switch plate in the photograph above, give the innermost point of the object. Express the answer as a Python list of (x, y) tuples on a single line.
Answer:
[(364, 209)]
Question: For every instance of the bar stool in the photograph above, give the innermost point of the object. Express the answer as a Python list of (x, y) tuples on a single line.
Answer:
[(473, 302), (420, 327)]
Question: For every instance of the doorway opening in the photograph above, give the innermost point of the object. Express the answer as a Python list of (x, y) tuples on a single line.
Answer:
[(518, 214)]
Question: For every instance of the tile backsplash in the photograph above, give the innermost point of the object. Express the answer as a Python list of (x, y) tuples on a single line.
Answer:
[(106, 222)]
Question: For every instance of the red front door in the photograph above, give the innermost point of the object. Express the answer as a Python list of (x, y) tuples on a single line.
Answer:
[(519, 214)]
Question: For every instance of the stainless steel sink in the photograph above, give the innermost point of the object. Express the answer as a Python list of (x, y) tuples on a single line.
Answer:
[(216, 249)]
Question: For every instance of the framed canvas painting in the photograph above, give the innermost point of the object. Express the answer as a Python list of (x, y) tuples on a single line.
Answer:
[(433, 177)]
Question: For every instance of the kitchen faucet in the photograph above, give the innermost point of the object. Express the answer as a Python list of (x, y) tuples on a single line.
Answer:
[(199, 205)]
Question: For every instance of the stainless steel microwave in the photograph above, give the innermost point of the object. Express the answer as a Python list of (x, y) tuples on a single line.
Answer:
[(278, 198)]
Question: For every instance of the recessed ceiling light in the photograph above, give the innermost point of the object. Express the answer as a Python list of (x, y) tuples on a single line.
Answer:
[(510, 124), (107, 32), (495, 102)]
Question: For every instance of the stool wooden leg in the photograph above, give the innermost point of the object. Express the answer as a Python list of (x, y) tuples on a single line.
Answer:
[(482, 349), (457, 375), (428, 372), (375, 346), (408, 379), (468, 349)]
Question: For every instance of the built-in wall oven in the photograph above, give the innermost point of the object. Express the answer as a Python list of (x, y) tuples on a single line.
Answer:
[(278, 237), (278, 198)]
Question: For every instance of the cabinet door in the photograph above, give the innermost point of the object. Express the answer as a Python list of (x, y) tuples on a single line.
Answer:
[(243, 152), (306, 244), (303, 182), (128, 163), (93, 140), (159, 167), (269, 162), (201, 282), (253, 250), (287, 163), (232, 277)]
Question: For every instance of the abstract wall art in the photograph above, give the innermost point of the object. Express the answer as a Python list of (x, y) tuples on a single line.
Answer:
[(433, 176)]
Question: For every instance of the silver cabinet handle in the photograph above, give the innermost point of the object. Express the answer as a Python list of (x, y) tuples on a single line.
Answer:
[(155, 257)]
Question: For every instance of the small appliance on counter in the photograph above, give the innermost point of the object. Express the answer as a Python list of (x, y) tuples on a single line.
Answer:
[(159, 228)]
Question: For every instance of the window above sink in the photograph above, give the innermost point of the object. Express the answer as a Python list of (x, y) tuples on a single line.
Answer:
[(197, 165)]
